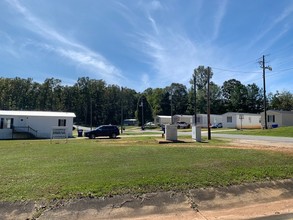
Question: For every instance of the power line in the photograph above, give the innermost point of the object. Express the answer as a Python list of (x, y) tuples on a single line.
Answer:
[(235, 71)]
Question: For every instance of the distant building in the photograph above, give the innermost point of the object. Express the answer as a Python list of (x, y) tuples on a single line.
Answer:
[(277, 118), (241, 120), (162, 120), (130, 122), (202, 119), (34, 124), (183, 118), (229, 120)]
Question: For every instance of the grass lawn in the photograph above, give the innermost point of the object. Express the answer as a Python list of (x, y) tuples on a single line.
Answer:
[(36, 169), (277, 132)]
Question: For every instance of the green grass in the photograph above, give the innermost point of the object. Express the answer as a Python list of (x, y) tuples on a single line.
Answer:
[(276, 132), (32, 170)]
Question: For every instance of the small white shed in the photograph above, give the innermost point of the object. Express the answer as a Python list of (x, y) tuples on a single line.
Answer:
[(39, 124), (241, 120), (277, 118)]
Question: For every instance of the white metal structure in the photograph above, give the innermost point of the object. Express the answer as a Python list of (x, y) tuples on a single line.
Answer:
[(37, 123)]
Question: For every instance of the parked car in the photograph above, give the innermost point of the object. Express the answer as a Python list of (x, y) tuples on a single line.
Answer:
[(182, 124), (150, 125), (218, 125), (104, 130)]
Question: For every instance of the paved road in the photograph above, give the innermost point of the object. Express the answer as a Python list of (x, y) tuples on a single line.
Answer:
[(244, 137), (221, 135), (252, 137)]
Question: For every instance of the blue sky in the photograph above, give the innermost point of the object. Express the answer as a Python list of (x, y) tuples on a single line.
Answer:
[(147, 43)]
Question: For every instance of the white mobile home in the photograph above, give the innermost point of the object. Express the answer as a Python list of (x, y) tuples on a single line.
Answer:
[(277, 118), (183, 118), (162, 120), (241, 120), (130, 122), (39, 124), (202, 119)]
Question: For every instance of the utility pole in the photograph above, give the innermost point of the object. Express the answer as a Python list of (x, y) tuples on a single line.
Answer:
[(121, 99), (194, 91), (171, 105), (142, 119), (264, 67), (91, 113), (209, 104)]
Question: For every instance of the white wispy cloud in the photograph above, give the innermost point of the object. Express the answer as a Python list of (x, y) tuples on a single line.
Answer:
[(8, 44), (220, 13), (171, 52), (285, 14), (146, 80), (173, 57), (93, 61), (155, 5), (154, 24), (63, 46)]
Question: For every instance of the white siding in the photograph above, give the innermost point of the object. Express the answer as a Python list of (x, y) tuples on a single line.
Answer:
[(233, 120), (42, 122), (281, 118), (162, 119), (5, 134)]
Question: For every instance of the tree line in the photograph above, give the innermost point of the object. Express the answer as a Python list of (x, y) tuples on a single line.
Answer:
[(94, 102)]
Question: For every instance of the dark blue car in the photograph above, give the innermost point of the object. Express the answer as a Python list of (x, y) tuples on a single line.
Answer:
[(112, 131)]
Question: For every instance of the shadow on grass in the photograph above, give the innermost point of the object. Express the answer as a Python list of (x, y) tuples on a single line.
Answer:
[(181, 141)]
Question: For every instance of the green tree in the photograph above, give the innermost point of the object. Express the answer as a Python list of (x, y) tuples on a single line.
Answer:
[(47, 97), (91, 101), (282, 101), (254, 99), (155, 98), (201, 74), (234, 96), (216, 99), (178, 93), (144, 110), (129, 102)]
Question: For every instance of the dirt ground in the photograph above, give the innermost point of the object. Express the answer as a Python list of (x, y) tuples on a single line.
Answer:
[(259, 201)]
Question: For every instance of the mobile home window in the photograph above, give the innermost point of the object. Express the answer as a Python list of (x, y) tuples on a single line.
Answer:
[(62, 122), (271, 118), (6, 123), (229, 119)]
